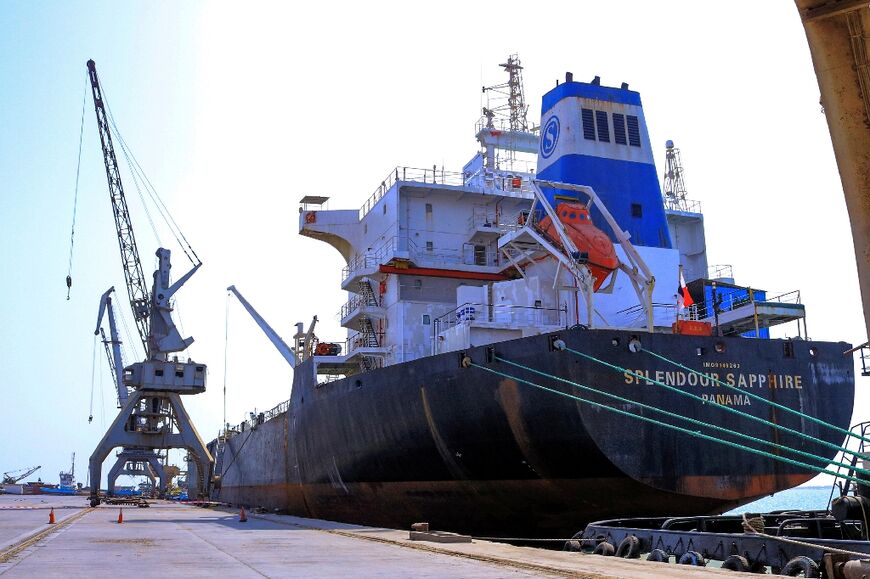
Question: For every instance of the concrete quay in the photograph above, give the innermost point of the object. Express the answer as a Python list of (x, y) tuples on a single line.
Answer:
[(178, 540)]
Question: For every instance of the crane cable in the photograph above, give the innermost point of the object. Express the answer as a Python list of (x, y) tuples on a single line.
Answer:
[(136, 169), (93, 369), (72, 234)]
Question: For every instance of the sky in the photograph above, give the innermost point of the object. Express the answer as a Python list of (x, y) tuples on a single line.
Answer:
[(238, 110)]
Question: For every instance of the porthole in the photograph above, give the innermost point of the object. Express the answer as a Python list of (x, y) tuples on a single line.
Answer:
[(813, 352), (719, 347)]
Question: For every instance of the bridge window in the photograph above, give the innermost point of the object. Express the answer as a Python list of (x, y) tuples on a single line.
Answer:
[(636, 210), (588, 124), (603, 126), (633, 131), (619, 129)]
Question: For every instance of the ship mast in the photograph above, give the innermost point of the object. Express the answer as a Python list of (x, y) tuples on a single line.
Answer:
[(506, 110), (673, 186)]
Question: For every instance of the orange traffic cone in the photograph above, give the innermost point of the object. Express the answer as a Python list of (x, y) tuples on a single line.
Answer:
[(243, 517), (51, 516), (120, 515)]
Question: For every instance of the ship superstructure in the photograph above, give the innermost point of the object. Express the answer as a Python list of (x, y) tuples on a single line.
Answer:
[(440, 261)]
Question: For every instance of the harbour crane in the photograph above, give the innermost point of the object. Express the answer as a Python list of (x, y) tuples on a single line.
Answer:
[(12, 477), (153, 416), (112, 345)]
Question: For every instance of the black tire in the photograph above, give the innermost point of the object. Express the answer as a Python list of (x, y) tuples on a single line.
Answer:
[(573, 545), (692, 558), (629, 548), (801, 564), (604, 548), (736, 563), (658, 556)]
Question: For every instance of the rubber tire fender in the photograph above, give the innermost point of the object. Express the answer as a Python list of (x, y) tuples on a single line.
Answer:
[(693, 558), (573, 545), (604, 548), (736, 563), (629, 548), (658, 556), (801, 564)]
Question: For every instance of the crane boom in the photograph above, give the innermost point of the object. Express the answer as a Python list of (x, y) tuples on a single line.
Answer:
[(137, 288), (273, 336), (112, 344), (10, 478)]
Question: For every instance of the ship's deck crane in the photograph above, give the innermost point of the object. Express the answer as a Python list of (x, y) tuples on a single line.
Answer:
[(12, 477), (153, 416), (289, 354)]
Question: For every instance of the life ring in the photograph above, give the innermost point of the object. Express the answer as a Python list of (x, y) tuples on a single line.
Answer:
[(629, 548), (658, 556), (311, 217), (693, 558), (604, 548), (736, 563), (801, 564)]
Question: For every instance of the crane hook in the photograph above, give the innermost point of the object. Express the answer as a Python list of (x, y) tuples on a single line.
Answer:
[(68, 286)]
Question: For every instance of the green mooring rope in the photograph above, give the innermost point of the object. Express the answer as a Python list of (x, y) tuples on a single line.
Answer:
[(693, 421), (762, 399), (722, 406), (680, 429)]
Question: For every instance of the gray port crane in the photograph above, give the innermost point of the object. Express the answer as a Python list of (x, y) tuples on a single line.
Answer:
[(130, 461), (14, 476), (153, 417)]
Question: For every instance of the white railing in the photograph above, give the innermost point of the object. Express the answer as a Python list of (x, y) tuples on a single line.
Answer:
[(507, 314), (682, 204), (468, 254), (433, 175), (720, 271)]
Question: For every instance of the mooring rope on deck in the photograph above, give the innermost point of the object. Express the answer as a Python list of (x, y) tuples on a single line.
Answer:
[(692, 433), (693, 421), (818, 421), (769, 423)]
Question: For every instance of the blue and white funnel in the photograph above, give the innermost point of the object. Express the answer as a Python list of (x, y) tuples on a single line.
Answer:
[(595, 135)]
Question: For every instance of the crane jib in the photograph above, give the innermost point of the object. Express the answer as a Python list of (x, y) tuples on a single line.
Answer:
[(137, 288)]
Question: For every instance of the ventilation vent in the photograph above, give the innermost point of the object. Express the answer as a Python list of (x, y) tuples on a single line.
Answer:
[(619, 129), (633, 131), (588, 124), (603, 127)]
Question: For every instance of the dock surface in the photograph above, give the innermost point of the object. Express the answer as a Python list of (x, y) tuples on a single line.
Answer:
[(179, 540)]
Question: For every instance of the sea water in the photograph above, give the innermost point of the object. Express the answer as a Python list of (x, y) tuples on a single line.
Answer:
[(806, 498)]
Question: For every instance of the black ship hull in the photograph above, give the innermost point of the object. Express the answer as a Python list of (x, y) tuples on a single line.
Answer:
[(471, 451)]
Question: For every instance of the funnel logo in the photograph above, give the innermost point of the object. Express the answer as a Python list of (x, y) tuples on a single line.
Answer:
[(549, 137)]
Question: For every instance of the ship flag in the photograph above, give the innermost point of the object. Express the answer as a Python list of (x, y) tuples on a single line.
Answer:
[(683, 295)]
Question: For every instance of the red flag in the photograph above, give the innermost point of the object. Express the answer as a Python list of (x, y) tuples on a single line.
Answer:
[(683, 292)]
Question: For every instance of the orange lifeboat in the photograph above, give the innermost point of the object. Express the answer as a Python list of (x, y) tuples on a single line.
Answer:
[(589, 239)]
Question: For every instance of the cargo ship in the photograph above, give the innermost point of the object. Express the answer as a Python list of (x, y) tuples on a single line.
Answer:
[(536, 342)]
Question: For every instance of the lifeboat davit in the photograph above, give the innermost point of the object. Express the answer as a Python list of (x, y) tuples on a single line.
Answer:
[(602, 259)]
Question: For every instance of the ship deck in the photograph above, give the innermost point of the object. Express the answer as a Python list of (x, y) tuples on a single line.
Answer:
[(171, 539)]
